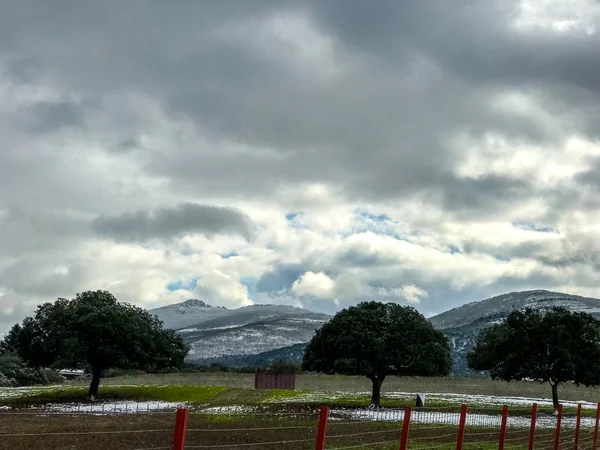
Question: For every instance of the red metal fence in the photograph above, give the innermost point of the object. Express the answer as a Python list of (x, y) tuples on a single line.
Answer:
[(421, 428), (444, 428)]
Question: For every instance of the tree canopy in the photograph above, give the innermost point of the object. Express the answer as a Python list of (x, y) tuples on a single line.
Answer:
[(10, 341), (376, 340), (556, 347), (96, 332)]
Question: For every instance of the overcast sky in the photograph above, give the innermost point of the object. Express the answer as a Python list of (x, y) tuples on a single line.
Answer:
[(313, 153)]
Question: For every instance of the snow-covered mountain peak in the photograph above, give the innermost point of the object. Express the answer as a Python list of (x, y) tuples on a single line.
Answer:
[(215, 332), (193, 304), (503, 304)]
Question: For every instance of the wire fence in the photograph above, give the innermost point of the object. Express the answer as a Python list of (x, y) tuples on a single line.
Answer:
[(452, 427)]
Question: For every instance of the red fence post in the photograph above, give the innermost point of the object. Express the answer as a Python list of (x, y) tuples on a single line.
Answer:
[(577, 427), (503, 427), (532, 427), (595, 444), (405, 427), (180, 427), (558, 424), (322, 431), (461, 427)]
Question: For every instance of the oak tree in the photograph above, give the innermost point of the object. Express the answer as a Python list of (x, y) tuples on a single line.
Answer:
[(556, 346), (376, 340), (96, 332)]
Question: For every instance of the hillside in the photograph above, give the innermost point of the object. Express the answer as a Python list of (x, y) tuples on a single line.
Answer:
[(250, 335), (463, 324), (255, 335)]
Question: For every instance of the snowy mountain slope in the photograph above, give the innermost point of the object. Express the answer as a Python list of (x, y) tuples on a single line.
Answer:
[(293, 354), (463, 324), (190, 312), (235, 333), (259, 333)]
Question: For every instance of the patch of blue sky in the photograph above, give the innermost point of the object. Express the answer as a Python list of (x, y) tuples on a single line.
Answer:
[(380, 224), (249, 282), (530, 226), (502, 258), (373, 217), (295, 220), (292, 215), (452, 249), (229, 255), (180, 284)]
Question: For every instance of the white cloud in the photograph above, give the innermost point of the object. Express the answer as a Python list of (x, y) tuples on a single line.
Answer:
[(218, 288), (412, 293), (315, 284), (558, 15)]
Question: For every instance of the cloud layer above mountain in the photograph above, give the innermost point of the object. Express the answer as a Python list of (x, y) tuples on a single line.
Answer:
[(298, 152)]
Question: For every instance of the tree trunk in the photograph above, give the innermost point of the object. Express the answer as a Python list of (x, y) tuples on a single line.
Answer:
[(554, 394), (93, 391), (376, 392)]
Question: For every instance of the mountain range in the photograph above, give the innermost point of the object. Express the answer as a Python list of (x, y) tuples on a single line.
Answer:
[(249, 336), (258, 334), (463, 324)]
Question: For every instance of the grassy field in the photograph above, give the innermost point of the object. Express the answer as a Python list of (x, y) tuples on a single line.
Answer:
[(469, 386)]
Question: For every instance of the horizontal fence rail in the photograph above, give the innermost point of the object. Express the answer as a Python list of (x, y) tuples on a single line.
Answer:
[(453, 427)]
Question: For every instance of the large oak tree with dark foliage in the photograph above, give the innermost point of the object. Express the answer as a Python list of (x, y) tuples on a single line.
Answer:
[(378, 339), (557, 346), (96, 332)]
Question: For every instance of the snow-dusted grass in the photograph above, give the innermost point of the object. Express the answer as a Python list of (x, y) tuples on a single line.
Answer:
[(232, 409), (9, 393), (207, 394), (452, 418), (214, 400), (403, 398), (101, 407)]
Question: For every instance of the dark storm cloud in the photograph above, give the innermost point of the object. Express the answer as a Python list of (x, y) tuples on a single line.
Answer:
[(52, 116), (475, 39), (474, 194), (414, 74), (165, 223)]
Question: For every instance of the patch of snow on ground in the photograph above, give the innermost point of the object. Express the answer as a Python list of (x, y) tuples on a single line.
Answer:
[(452, 418), (229, 410), (111, 407), (20, 392), (489, 400), (436, 398)]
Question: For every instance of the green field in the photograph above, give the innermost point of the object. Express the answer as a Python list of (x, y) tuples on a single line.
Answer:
[(304, 382)]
